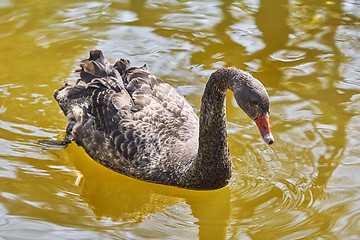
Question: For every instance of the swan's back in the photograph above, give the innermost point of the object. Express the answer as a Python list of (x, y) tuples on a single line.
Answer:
[(130, 121)]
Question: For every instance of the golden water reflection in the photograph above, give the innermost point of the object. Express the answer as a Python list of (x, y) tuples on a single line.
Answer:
[(306, 53)]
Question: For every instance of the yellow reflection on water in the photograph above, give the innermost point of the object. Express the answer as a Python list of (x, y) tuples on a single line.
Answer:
[(305, 186), (121, 198)]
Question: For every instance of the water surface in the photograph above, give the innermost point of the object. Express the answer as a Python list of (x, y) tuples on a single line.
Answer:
[(305, 186)]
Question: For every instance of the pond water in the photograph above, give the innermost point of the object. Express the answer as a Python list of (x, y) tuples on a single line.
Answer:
[(304, 186)]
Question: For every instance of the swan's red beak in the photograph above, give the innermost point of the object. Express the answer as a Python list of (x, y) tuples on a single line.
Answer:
[(262, 123)]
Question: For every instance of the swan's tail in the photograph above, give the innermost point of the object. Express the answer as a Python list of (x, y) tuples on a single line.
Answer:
[(96, 66), (103, 89)]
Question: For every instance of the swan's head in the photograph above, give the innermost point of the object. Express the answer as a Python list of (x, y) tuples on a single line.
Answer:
[(253, 98)]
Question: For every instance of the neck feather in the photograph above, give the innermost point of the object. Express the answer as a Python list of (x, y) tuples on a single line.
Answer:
[(213, 164)]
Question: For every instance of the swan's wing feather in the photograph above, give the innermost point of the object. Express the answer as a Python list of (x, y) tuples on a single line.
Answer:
[(128, 119)]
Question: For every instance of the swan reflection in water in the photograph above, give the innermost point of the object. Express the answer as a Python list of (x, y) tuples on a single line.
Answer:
[(123, 199)]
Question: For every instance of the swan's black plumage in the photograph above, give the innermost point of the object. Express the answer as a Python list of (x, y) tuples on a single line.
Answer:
[(136, 124)]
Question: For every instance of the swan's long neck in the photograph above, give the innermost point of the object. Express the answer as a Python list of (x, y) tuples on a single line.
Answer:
[(213, 163)]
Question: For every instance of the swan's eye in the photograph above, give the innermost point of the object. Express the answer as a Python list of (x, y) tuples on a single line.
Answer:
[(254, 102)]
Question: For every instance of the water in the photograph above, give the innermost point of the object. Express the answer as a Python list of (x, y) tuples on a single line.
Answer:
[(305, 186)]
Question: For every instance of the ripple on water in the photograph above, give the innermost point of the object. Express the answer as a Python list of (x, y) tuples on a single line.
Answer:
[(285, 55), (19, 227), (176, 220), (276, 209), (273, 192), (25, 129)]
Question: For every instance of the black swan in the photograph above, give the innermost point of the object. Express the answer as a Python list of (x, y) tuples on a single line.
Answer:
[(138, 125)]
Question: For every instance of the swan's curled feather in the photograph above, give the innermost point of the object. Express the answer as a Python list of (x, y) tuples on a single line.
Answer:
[(125, 117)]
